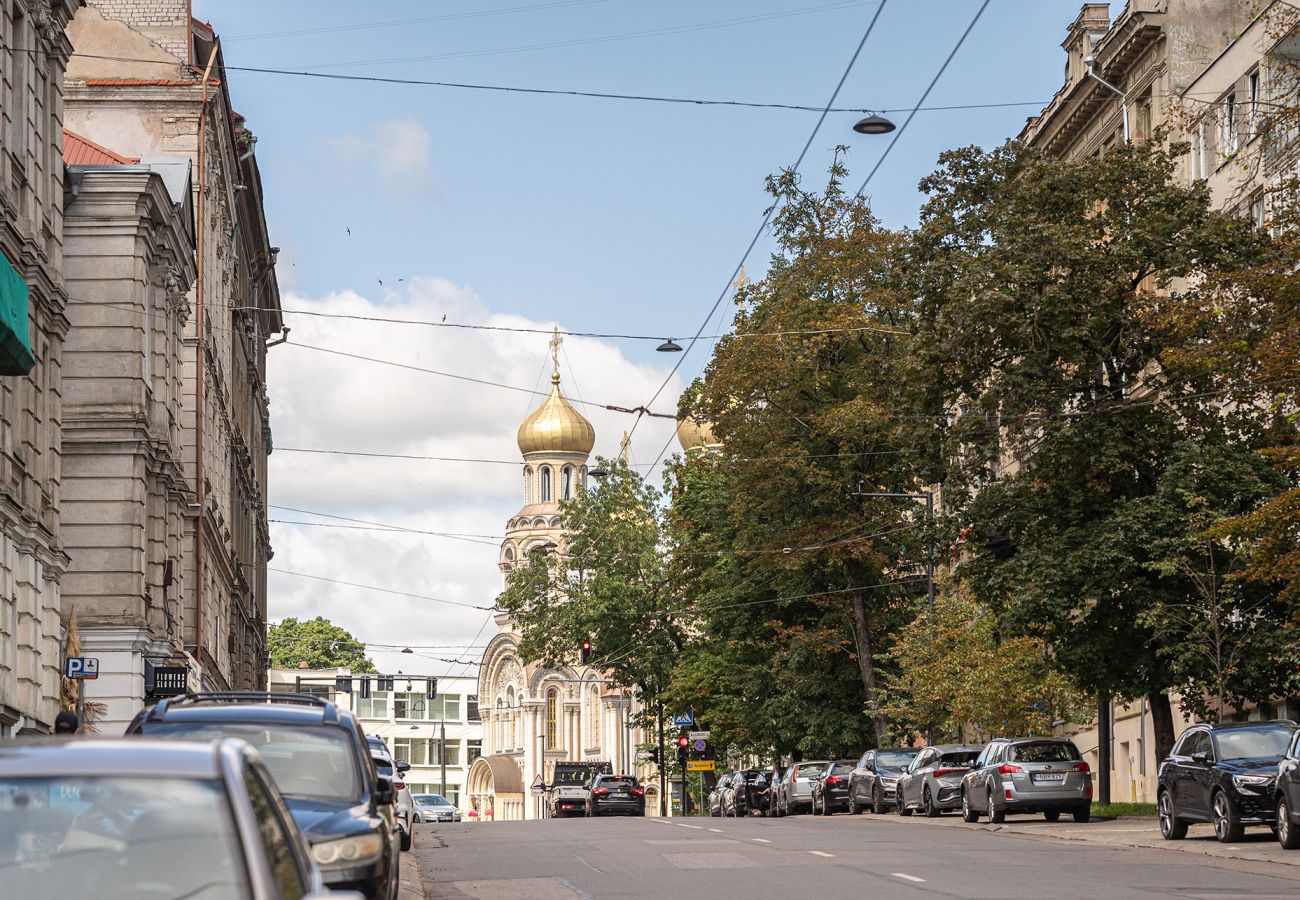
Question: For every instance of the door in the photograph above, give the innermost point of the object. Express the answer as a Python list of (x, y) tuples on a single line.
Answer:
[(1288, 779), (861, 779), (910, 785), (1192, 777), (985, 772)]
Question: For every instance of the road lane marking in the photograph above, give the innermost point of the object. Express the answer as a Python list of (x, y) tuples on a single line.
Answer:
[(585, 863), (716, 830), (822, 853), (684, 825), (906, 877), (577, 890), (761, 840)]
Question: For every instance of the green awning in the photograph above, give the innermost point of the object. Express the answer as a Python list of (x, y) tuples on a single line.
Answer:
[(15, 346)]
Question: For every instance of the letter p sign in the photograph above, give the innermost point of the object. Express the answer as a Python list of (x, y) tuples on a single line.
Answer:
[(81, 667)]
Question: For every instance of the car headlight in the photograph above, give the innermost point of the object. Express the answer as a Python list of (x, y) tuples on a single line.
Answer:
[(1252, 780), (357, 850)]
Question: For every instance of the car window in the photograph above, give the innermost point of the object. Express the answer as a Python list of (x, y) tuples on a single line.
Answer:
[(313, 762), (102, 836), (811, 770), (922, 761), (959, 757), (276, 839), (898, 759), (431, 800), (841, 768), (617, 784), (1252, 743), (1045, 752), (1199, 742)]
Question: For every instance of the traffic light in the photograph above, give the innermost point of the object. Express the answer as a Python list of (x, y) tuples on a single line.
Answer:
[(586, 652), (654, 755), (365, 687), (385, 682), (683, 743), (343, 684)]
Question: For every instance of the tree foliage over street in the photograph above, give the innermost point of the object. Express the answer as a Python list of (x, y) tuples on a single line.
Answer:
[(319, 643)]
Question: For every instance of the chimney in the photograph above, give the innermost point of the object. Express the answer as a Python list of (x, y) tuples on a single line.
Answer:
[(1083, 35)]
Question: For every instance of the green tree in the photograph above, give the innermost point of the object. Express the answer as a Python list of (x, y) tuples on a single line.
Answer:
[(318, 642)]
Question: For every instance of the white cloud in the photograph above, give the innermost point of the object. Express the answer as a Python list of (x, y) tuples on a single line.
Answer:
[(324, 401), (397, 148)]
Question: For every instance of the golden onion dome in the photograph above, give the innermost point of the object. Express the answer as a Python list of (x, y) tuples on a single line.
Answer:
[(556, 427), (695, 434)]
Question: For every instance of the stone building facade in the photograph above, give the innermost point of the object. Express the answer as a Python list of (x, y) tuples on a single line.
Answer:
[(150, 99), (34, 51), (129, 260), (533, 716)]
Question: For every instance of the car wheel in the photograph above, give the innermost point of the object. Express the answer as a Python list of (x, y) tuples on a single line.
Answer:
[(406, 840), (1227, 827), (1053, 815), (901, 803), (996, 816), (1171, 827), (854, 809), (1287, 834), (968, 812), (1082, 813), (927, 803), (878, 801)]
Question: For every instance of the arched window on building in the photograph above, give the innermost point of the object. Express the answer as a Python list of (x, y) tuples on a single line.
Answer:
[(499, 727), (552, 718), (566, 483), (528, 485), (510, 719), (546, 484), (593, 737)]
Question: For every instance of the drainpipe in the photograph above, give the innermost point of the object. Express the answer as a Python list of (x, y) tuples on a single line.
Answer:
[(1123, 97), (198, 371)]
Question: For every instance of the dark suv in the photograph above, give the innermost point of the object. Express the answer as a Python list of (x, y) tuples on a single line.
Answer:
[(616, 794), (1224, 775), (321, 763)]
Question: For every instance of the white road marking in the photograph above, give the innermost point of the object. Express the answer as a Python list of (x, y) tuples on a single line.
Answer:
[(822, 853), (906, 877), (684, 825), (585, 863), (761, 840), (716, 830)]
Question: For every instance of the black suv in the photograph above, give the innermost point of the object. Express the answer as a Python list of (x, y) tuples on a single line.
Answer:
[(1287, 803), (616, 794), (321, 763), (1224, 775)]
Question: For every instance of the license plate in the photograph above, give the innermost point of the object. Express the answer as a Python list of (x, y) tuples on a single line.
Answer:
[(618, 796), (1049, 777)]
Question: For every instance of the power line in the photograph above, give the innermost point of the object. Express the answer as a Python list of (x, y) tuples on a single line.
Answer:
[(371, 587), (382, 525), (518, 462), (386, 529)]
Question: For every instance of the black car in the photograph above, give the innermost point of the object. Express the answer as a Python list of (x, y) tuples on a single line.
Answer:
[(1224, 775), (321, 763), (1286, 803), (739, 798), (762, 792), (616, 794), (875, 778), (831, 789)]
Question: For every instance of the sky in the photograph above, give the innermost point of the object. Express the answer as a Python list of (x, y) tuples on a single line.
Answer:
[(526, 210)]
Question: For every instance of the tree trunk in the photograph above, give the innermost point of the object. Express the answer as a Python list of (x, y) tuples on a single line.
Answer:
[(866, 666), (1162, 725)]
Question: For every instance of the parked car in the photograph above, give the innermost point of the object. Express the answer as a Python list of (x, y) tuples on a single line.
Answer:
[(321, 763), (403, 805), (1286, 803), (119, 818), (831, 789), (932, 782), (1222, 774), (764, 793), (739, 797), (614, 794), (570, 789), (435, 808), (715, 795), (1026, 775), (796, 788), (875, 778)]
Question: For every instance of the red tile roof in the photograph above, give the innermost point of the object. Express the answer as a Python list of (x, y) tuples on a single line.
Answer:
[(80, 151)]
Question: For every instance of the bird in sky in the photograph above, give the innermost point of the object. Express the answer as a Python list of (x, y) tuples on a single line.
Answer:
[(349, 230), (381, 281), (444, 317)]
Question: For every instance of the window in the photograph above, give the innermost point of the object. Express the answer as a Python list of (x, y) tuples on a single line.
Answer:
[(473, 750), (1257, 210), (409, 706), (528, 485), (552, 715), (412, 750), (373, 707), (566, 483), (471, 709), (452, 752), (1252, 90), (1228, 125), (546, 484), (276, 837), (1142, 125), (499, 724), (443, 708)]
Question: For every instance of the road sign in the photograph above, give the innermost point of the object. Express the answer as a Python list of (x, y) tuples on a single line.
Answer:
[(81, 667), (699, 735), (700, 745), (699, 765), (539, 787), (683, 720)]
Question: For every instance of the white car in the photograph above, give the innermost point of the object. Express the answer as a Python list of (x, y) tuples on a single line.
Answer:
[(435, 808), (403, 804)]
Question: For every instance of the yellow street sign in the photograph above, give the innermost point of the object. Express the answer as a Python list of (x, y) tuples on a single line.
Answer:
[(699, 765)]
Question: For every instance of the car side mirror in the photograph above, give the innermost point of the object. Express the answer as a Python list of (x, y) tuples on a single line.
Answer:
[(403, 767), (384, 794), (1205, 759)]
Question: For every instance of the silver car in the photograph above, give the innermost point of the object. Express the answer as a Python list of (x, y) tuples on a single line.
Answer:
[(435, 808), (795, 792), (932, 783), (1044, 775)]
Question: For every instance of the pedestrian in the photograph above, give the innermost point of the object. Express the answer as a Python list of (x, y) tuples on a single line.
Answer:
[(66, 723)]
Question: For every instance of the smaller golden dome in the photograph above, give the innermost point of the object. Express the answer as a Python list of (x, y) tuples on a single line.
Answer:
[(556, 427), (695, 434)]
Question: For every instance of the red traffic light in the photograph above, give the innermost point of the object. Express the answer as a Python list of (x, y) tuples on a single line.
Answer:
[(683, 741), (586, 645)]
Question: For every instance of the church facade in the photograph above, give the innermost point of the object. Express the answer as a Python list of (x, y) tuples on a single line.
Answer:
[(533, 716)]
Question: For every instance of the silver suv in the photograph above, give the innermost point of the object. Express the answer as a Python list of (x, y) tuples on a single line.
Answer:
[(1044, 774), (795, 794), (932, 783)]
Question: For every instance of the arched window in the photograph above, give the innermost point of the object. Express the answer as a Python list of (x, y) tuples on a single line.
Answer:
[(528, 485), (566, 483), (499, 727), (552, 716), (594, 724), (546, 484)]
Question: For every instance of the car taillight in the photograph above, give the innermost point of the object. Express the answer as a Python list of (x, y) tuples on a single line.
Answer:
[(937, 772), (1006, 769), (1082, 767), (637, 792), (834, 779), (400, 785), (600, 792)]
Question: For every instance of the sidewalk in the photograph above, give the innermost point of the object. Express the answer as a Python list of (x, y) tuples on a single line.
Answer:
[(1259, 844), (412, 885)]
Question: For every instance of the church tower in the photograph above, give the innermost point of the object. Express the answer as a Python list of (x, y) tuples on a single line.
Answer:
[(556, 441)]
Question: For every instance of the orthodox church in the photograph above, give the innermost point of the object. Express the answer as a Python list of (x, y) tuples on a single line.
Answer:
[(533, 716)]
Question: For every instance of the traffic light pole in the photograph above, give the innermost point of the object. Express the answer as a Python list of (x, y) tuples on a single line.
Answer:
[(663, 776)]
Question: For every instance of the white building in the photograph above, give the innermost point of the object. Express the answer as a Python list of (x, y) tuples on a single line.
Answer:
[(424, 732)]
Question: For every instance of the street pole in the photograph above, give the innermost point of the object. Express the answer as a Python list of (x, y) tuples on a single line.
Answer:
[(1103, 749), (81, 702), (442, 756), (663, 776)]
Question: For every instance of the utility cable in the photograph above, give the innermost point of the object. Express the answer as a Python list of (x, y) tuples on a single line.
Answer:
[(371, 587)]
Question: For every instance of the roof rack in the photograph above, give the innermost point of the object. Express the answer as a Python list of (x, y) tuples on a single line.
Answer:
[(159, 709)]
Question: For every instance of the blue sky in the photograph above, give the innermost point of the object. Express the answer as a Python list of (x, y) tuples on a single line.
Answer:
[(510, 209)]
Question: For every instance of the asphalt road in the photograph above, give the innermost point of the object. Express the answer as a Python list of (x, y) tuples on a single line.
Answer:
[(805, 857)]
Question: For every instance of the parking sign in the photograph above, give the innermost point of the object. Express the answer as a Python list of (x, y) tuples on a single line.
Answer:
[(81, 667)]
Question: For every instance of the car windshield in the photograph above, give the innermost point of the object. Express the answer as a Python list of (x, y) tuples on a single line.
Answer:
[(312, 763), (66, 837), (958, 757), (811, 770), (431, 800), (1045, 752), (1253, 743), (383, 765), (896, 759)]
